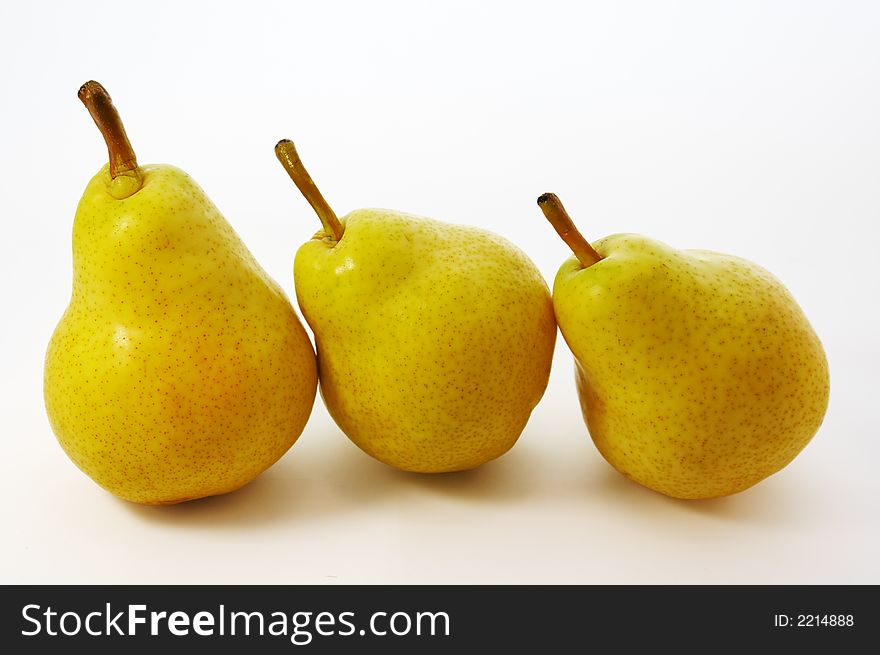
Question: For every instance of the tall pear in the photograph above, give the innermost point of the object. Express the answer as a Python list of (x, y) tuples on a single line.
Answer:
[(434, 340), (698, 373), (179, 369)]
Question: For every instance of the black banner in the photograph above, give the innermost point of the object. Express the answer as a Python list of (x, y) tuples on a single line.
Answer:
[(287, 619)]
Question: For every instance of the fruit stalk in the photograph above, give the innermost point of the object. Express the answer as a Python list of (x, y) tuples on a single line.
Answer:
[(289, 158), (565, 227), (122, 158)]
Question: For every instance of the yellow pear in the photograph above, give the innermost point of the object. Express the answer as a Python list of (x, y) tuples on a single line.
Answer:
[(179, 369), (434, 340), (698, 373)]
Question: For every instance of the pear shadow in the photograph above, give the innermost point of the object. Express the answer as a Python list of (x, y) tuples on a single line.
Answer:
[(322, 483), (770, 502), (312, 485), (504, 479), (268, 499)]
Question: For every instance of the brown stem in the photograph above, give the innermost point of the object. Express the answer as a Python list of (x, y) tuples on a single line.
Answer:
[(122, 158), (565, 227), (289, 158)]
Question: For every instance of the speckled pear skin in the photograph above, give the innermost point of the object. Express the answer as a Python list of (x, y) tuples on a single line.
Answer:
[(434, 340), (698, 373), (179, 369)]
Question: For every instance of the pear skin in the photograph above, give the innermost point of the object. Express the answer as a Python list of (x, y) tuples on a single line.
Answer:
[(698, 373), (179, 369), (434, 340)]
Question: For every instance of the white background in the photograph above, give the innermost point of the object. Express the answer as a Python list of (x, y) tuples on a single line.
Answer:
[(746, 127)]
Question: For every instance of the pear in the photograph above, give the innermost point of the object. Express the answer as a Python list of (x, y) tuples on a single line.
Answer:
[(179, 369), (434, 340), (698, 374)]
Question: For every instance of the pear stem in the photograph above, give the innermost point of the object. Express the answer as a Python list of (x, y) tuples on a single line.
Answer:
[(122, 158), (289, 158), (565, 227)]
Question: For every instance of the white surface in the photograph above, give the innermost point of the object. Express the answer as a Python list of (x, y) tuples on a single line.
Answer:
[(746, 127)]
